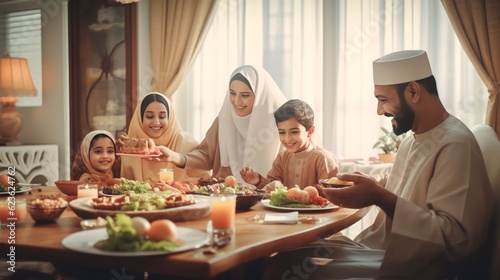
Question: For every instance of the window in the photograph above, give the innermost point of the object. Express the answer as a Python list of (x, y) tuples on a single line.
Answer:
[(21, 36)]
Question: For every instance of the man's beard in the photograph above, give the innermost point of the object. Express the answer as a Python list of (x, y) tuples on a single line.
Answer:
[(404, 119)]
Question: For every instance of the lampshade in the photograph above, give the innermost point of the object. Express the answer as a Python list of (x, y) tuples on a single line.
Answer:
[(15, 80), (15, 77)]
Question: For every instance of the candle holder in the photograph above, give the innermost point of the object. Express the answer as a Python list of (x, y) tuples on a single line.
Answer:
[(88, 190), (166, 175)]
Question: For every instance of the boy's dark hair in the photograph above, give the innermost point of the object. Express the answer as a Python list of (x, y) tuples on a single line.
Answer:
[(297, 109)]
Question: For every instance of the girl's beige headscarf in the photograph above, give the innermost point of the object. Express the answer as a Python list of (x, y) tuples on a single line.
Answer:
[(174, 138), (82, 169), (251, 140)]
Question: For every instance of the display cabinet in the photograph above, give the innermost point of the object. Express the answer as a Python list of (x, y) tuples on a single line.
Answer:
[(102, 66)]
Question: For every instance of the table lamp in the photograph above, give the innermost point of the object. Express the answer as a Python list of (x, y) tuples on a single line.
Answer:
[(15, 80)]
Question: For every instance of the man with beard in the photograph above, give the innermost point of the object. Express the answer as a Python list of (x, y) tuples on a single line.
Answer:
[(435, 207)]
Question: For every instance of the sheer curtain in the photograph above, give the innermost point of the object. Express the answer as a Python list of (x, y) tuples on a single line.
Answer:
[(322, 52)]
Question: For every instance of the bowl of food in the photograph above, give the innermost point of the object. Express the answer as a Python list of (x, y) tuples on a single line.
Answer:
[(335, 182), (245, 201), (68, 187), (46, 208)]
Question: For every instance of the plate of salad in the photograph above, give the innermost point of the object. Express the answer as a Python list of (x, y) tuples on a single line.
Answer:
[(295, 199), (121, 238)]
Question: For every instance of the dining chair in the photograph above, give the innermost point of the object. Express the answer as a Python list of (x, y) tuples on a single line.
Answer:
[(490, 148)]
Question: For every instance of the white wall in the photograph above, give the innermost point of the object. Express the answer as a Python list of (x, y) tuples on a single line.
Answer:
[(49, 123)]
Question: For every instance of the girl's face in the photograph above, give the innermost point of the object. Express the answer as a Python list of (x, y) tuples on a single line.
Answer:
[(293, 135), (155, 119), (241, 97), (102, 154)]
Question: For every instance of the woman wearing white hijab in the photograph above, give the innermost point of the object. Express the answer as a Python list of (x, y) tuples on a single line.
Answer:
[(244, 133)]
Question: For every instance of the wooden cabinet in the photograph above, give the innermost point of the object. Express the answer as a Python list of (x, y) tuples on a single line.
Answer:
[(103, 66)]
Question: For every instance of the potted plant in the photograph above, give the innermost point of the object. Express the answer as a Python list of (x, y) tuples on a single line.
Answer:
[(389, 144)]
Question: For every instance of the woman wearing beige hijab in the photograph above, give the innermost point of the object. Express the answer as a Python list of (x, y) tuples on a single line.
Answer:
[(154, 118)]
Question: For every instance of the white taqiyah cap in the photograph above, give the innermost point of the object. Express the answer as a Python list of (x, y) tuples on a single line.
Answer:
[(401, 67)]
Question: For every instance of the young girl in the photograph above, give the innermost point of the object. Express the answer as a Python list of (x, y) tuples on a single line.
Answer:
[(95, 161)]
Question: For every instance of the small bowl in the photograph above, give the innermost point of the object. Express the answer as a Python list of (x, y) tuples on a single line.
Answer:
[(68, 187), (45, 215), (245, 201), (93, 223), (326, 184), (46, 208)]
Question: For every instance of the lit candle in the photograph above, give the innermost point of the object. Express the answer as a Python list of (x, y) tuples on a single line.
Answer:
[(87, 190), (166, 175)]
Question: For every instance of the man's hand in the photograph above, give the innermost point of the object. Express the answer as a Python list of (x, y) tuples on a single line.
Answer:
[(364, 192)]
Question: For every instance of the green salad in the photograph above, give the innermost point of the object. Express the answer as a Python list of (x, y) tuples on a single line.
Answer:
[(146, 202), (278, 198), (130, 186), (123, 237)]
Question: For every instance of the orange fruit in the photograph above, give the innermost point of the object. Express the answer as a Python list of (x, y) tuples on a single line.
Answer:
[(163, 229), (4, 179)]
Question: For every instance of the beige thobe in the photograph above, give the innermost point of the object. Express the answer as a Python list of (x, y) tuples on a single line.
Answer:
[(303, 168)]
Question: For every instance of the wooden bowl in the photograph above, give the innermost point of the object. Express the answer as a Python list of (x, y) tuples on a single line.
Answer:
[(245, 201), (68, 187)]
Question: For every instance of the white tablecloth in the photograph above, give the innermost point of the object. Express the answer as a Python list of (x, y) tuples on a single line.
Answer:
[(370, 169)]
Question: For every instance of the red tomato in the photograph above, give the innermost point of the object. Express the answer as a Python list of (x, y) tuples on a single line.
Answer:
[(319, 200), (162, 230)]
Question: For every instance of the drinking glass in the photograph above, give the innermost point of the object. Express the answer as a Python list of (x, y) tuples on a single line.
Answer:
[(222, 216)]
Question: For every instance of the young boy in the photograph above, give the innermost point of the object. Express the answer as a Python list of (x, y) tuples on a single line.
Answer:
[(300, 163)]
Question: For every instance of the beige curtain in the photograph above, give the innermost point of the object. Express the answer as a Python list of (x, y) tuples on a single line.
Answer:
[(178, 29), (477, 25)]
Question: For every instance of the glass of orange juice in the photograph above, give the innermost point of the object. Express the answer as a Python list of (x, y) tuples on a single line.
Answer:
[(222, 216), (12, 210)]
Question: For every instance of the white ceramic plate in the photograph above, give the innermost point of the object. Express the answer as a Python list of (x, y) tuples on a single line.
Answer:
[(137, 155), (28, 185), (329, 206), (22, 190), (83, 241), (82, 207)]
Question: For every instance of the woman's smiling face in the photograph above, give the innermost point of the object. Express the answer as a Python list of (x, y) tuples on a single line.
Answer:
[(155, 119), (241, 97)]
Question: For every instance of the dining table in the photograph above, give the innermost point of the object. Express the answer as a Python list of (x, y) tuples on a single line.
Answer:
[(252, 241)]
